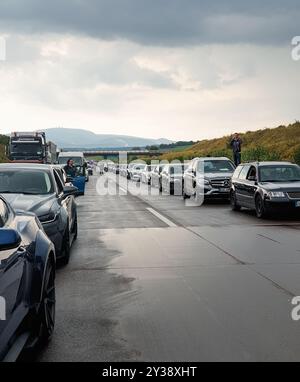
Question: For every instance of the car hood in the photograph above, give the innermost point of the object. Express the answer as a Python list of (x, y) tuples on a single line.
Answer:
[(38, 204), (286, 186)]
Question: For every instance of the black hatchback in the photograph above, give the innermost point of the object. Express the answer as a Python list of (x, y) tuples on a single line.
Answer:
[(266, 187)]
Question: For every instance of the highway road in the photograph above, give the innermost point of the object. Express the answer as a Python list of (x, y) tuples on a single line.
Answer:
[(151, 279)]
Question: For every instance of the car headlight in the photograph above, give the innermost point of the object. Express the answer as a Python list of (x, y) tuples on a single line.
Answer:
[(201, 182), (276, 194), (48, 218)]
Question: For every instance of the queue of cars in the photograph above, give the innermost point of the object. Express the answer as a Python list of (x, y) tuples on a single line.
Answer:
[(38, 225), (265, 187)]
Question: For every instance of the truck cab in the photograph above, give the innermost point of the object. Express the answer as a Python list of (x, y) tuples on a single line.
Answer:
[(27, 147)]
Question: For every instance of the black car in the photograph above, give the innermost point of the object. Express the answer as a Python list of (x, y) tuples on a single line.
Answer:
[(27, 282), (266, 187), (39, 189)]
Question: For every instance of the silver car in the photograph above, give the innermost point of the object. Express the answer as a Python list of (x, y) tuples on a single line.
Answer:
[(214, 172)]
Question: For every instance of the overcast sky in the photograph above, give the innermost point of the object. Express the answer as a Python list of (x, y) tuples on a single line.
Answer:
[(180, 69)]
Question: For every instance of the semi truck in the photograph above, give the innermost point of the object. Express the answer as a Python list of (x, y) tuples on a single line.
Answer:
[(31, 147)]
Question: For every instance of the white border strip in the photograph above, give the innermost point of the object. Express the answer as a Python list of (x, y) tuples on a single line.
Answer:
[(162, 218), (2, 49)]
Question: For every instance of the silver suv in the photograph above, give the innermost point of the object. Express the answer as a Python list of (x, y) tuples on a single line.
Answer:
[(214, 173)]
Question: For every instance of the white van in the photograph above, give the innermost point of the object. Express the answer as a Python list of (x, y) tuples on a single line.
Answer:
[(78, 159)]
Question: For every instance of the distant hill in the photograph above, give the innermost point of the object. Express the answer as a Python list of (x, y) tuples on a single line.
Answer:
[(77, 138), (280, 143)]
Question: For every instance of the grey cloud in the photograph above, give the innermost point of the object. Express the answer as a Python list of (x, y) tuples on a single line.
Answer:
[(158, 22)]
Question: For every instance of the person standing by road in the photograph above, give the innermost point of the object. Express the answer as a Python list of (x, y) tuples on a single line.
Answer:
[(70, 169), (236, 145)]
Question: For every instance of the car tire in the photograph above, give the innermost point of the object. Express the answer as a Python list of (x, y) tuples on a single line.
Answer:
[(185, 196), (46, 321), (66, 247), (260, 208), (233, 202)]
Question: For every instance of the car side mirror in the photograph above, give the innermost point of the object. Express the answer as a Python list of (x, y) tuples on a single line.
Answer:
[(252, 178), (70, 190), (9, 239)]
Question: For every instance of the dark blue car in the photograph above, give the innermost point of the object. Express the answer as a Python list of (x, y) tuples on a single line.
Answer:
[(27, 283)]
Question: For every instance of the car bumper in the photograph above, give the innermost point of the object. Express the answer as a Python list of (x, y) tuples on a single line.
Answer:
[(216, 193), (283, 205)]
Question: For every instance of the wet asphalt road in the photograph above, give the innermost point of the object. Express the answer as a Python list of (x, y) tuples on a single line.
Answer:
[(194, 284)]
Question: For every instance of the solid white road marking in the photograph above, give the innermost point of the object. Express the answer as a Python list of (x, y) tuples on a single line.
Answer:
[(162, 218)]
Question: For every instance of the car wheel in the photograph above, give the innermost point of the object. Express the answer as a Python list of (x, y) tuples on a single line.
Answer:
[(233, 202), (172, 189), (47, 309), (66, 246), (185, 196), (260, 208)]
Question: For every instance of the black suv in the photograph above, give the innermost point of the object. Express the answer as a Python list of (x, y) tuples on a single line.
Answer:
[(266, 187)]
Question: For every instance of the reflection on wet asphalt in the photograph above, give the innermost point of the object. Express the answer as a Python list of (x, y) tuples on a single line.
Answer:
[(215, 287)]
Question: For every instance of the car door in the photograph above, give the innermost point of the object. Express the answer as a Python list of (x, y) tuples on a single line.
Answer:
[(65, 202), (12, 271), (251, 187), (240, 186), (155, 177), (188, 179), (164, 178)]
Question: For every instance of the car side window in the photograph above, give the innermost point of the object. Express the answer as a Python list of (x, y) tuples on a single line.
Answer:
[(244, 172), (4, 213), (237, 172), (58, 181), (252, 173)]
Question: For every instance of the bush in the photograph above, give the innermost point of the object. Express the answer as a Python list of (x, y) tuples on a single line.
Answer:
[(259, 154), (296, 156)]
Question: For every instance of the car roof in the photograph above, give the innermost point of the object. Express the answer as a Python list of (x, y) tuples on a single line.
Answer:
[(213, 158), (33, 166), (269, 163), (71, 154)]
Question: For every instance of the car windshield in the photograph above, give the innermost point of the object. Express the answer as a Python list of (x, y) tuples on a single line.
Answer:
[(282, 173), (140, 167), (216, 166), (25, 149), (19, 181), (77, 160)]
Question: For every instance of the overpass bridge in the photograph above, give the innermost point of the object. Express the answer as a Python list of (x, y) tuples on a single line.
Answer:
[(115, 153)]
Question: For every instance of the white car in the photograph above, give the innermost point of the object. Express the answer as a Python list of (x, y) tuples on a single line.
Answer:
[(146, 174), (136, 172)]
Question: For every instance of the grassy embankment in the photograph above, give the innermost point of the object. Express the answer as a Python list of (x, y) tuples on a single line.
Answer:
[(280, 143)]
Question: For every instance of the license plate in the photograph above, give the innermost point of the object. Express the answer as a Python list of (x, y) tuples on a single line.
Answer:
[(298, 203), (226, 190)]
